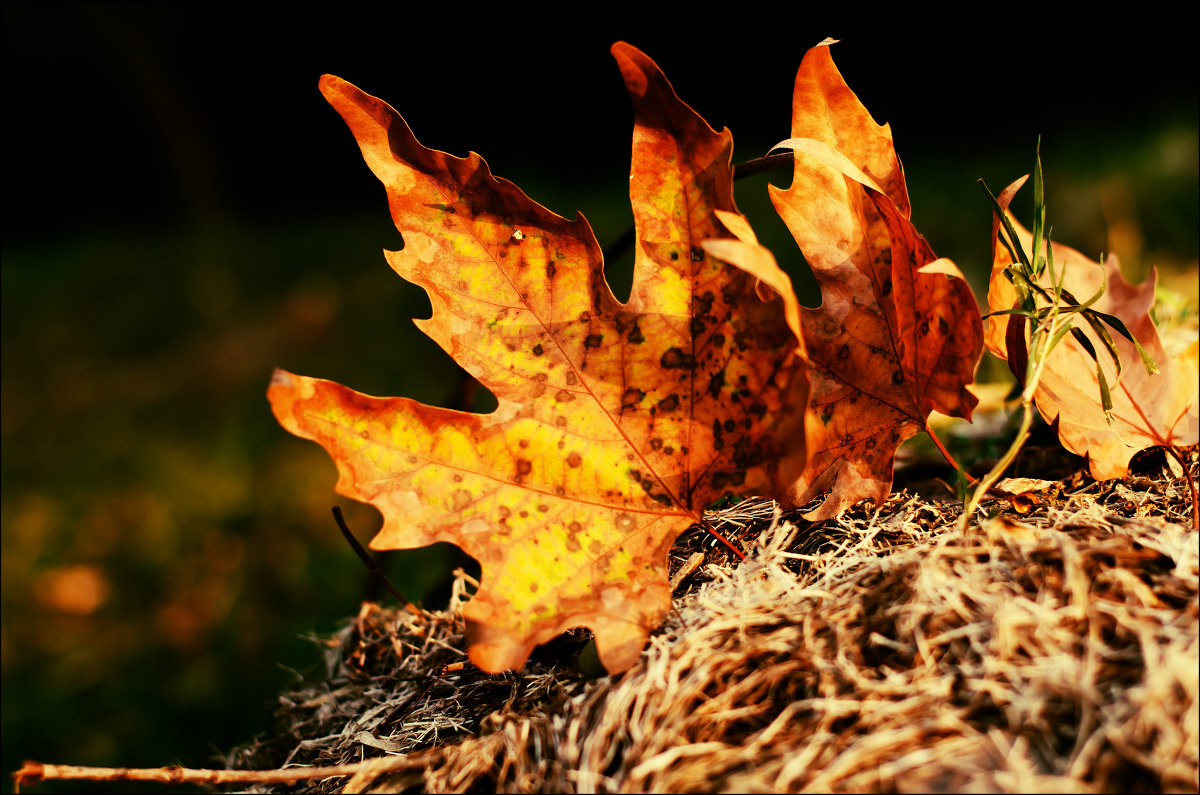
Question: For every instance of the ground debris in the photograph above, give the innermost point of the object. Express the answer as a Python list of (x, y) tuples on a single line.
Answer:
[(1052, 647)]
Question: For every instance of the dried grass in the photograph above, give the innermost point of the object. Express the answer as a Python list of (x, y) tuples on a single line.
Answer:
[(884, 651)]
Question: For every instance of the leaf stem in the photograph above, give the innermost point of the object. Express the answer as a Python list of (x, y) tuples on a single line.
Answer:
[(715, 533), (946, 453)]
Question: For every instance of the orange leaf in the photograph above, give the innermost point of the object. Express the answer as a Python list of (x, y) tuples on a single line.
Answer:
[(1148, 410), (899, 332), (617, 423)]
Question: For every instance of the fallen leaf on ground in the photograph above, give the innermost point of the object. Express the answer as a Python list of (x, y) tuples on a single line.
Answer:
[(898, 334), (617, 424), (1148, 410)]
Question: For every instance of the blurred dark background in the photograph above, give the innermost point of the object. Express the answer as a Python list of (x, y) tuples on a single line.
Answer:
[(183, 212)]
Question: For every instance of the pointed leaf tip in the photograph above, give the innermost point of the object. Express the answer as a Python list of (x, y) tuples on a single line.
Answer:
[(899, 332)]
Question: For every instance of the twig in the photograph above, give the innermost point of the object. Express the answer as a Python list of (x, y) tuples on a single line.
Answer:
[(366, 558), (35, 772)]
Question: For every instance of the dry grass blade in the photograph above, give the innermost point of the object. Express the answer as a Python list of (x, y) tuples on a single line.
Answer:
[(1054, 650)]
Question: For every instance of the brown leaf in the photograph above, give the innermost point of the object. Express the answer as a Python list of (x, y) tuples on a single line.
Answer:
[(1148, 410), (898, 334), (617, 424)]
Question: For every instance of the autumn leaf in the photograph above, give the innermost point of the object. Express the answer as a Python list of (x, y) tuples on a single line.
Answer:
[(1148, 410), (898, 334), (617, 424)]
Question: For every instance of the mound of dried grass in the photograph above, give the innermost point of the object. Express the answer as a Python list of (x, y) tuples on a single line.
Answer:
[(1055, 651)]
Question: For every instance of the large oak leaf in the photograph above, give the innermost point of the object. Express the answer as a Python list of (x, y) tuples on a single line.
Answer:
[(898, 333), (1148, 410), (617, 423)]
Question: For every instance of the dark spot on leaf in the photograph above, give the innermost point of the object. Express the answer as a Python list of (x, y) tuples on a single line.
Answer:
[(537, 349), (550, 270), (887, 287), (943, 326), (656, 444), (572, 541), (697, 254), (696, 326), (743, 452), (675, 357), (458, 478), (717, 340), (632, 397), (585, 317), (897, 378), (504, 512), (560, 421), (625, 522), (827, 413), (541, 378), (593, 340), (735, 477), (533, 587), (757, 409), (846, 440), (924, 327), (730, 425), (574, 460), (715, 382), (674, 255), (669, 403), (668, 449), (844, 352), (524, 467), (572, 379), (635, 335), (543, 507), (524, 514), (523, 443), (564, 396), (870, 444)]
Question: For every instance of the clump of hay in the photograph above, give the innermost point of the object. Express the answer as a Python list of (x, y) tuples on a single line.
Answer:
[(884, 651)]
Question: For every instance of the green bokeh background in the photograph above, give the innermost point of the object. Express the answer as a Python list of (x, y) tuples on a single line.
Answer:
[(183, 212)]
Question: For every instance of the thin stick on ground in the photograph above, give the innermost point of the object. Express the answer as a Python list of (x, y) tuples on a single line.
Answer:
[(35, 772)]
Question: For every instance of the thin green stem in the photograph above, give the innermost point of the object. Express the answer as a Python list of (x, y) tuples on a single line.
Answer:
[(1041, 340)]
